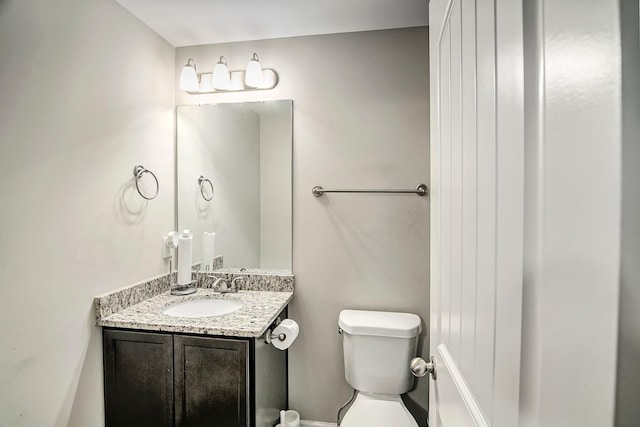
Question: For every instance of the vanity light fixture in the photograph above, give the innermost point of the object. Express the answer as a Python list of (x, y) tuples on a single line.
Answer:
[(223, 80), (253, 75), (221, 76), (189, 77)]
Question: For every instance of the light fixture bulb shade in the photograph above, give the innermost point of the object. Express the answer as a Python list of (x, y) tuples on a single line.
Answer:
[(253, 75), (221, 76), (206, 83), (189, 77)]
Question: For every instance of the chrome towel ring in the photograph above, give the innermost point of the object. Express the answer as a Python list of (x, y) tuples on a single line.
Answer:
[(138, 171), (201, 181)]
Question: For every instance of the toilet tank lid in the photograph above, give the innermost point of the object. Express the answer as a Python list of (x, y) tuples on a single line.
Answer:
[(380, 323)]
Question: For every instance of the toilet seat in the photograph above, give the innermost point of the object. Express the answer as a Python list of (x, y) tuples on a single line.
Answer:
[(378, 411)]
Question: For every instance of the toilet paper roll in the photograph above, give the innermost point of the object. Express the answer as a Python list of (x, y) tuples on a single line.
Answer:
[(290, 329), (185, 251), (208, 245)]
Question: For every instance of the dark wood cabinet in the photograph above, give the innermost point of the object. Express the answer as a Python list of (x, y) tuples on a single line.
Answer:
[(164, 379), (211, 381), (138, 379)]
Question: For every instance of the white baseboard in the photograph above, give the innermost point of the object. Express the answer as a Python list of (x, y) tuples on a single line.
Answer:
[(307, 423)]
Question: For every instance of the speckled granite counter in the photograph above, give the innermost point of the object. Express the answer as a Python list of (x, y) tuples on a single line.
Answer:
[(252, 280), (259, 310)]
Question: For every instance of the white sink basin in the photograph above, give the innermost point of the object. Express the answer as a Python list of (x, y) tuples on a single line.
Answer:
[(202, 308)]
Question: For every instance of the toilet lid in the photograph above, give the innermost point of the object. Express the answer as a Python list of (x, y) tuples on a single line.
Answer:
[(378, 411)]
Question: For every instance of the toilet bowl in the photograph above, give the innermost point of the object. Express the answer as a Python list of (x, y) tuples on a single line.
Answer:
[(378, 347), (378, 410)]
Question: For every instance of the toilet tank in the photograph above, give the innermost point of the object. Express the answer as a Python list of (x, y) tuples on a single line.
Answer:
[(378, 347)]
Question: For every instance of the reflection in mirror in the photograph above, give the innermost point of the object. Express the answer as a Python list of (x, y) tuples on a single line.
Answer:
[(234, 179)]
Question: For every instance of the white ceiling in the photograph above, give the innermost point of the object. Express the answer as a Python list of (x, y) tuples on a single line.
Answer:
[(194, 22)]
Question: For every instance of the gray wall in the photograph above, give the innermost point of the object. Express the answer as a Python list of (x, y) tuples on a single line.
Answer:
[(361, 108), (87, 92), (628, 379)]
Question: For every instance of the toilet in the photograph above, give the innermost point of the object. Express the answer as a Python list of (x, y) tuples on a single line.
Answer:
[(378, 347)]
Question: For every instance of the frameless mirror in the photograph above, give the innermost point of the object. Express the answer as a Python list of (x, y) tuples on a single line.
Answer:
[(234, 179)]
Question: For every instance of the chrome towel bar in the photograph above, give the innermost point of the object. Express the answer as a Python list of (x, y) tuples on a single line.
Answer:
[(420, 190)]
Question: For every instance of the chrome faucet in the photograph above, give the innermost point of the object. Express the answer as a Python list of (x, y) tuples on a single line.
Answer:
[(223, 286)]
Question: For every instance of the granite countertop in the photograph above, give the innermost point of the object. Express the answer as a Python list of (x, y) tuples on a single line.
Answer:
[(259, 310)]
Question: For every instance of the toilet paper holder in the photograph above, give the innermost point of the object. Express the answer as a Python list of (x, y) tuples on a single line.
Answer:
[(269, 336)]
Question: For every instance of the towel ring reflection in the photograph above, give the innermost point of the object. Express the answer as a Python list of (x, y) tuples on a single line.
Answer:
[(138, 171), (201, 181)]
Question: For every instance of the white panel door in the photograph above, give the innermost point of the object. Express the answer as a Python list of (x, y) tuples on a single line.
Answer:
[(477, 179)]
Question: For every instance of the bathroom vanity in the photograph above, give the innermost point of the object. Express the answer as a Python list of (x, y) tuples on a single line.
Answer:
[(202, 359), (163, 379), (167, 370)]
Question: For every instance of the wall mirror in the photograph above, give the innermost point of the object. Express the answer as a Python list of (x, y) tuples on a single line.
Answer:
[(234, 179)]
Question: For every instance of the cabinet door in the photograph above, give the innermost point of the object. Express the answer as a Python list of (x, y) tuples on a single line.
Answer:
[(138, 379), (211, 382)]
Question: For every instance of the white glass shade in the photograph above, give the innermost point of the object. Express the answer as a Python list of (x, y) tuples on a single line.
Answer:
[(206, 83), (189, 77), (253, 75), (221, 77)]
